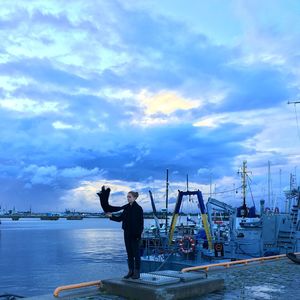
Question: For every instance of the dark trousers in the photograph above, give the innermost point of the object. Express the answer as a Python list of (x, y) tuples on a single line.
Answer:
[(133, 251)]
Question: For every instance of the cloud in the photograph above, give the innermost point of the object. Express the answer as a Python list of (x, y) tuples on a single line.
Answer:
[(118, 92), (78, 172), (165, 102), (29, 106), (258, 87), (49, 175), (41, 175), (62, 125), (84, 195), (43, 70)]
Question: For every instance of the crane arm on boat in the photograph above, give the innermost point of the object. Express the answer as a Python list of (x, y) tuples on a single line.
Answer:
[(154, 212), (202, 210)]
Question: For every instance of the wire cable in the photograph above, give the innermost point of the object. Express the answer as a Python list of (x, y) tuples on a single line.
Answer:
[(296, 114), (248, 179), (226, 191)]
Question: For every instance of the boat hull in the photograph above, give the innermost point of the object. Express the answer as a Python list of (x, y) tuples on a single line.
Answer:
[(293, 257)]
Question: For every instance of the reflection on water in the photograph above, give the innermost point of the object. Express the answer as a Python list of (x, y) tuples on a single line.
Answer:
[(99, 245), (37, 256)]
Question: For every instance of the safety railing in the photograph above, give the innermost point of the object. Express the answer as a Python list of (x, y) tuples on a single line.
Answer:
[(76, 286), (236, 262)]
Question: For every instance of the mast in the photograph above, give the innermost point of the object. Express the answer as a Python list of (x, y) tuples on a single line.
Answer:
[(187, 189), (167, 199), (210, 183), (187, 185), (244, 183), (296, 115), (269, 184), (293, 185), (280, 189), (244, 209), (187, 182)]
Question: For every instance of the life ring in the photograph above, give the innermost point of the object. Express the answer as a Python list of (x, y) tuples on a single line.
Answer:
[(184, 241), (218, 247)]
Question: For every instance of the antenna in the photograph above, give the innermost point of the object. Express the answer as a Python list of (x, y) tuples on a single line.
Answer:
[(269, 184), (210, 183), (167, 198), (280, 188), (187, 182), (244, 174), (187, 186), (297, 122)]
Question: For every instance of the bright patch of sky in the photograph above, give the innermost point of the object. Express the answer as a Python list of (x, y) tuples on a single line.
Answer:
[(116, 92), (165, 102)]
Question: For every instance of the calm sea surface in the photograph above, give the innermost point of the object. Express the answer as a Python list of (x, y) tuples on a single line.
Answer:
[(37, 256)]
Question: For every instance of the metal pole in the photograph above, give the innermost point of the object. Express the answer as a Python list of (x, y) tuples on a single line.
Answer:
[(269, 185), (167, 199), (210, 183), (244, 172), (187, 182), (280, 188)]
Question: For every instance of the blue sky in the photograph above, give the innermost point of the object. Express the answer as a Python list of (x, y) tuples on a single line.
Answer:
[(116, 92)]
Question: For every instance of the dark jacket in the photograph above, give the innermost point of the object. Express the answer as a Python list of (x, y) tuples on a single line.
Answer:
[(132, 220)]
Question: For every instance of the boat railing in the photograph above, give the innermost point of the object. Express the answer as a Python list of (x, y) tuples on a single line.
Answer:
[(234, 263), (157, 246), (76, 286)]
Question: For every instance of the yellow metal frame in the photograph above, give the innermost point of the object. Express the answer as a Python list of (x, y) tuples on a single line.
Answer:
[(76, 286), (237, 262), (172, 228), (207, 230)]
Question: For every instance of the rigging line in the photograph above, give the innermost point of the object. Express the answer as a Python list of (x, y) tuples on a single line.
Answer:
[(298, 130), (250, 191), (226, 191)]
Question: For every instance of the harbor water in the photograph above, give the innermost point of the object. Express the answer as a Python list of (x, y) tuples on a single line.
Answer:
[(38, 256)]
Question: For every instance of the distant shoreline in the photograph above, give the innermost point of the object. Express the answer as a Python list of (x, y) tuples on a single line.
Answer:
[(17, 217)]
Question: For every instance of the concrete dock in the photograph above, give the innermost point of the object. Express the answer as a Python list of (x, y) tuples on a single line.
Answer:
[(161, 285)]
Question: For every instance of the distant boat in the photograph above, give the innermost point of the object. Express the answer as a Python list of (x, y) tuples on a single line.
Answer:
[(50, 217), (74, 217)]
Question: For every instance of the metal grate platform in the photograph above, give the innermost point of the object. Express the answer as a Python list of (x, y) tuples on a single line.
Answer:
[(188, 276), (154, 279)]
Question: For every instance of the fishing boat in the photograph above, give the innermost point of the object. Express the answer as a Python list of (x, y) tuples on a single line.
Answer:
[(247, 234)]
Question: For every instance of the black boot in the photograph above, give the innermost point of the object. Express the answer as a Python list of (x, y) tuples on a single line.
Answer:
[(129, 274), (136, 274)]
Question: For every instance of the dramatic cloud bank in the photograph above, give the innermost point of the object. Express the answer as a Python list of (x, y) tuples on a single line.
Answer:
[(106, 92)]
